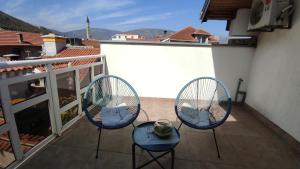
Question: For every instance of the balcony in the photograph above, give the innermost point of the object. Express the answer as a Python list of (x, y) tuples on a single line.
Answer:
[(244, 143), (61, 136)]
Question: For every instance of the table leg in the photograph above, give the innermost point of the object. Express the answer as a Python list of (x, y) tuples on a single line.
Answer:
[(133, 156)]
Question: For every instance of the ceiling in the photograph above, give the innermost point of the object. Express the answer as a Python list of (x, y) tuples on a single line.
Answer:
[(222, 9)]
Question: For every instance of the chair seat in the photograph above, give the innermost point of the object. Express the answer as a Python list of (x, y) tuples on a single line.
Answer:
[(199, 118), (115, 117)]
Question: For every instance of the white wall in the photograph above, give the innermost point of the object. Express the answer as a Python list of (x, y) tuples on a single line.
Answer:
[(161, 71), (274, 85), (52, 48)]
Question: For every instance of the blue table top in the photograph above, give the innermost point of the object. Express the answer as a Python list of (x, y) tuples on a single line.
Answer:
[(144, 136)]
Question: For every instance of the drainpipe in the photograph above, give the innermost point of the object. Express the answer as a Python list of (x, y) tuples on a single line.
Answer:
[(239, 92)]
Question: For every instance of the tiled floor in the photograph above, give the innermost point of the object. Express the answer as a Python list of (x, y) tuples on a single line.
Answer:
[(244, 143)]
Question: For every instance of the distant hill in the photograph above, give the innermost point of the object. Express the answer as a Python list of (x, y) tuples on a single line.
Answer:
[(106, 34), (96, 33), (8, 22), (149, 33)]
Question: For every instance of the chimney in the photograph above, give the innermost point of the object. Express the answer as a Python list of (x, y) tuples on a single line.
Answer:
[(20, 37), (53, 44), (165, 32)]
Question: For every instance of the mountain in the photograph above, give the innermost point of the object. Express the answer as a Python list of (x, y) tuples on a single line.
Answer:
[(106, 34), (96, 33), (149, 33), (8, 22)]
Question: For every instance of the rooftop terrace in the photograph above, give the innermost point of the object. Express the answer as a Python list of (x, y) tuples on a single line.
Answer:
[(43, 125), (245, 143)]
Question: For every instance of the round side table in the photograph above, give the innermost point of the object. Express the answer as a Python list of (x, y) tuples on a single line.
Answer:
[(144, 137)]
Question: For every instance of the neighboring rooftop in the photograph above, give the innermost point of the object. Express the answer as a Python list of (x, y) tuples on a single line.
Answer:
[(185, 35), (201, 32), (189, 34), (13, 38), (91, 42)]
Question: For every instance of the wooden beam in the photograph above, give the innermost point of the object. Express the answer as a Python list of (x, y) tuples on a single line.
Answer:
[(223, 9)]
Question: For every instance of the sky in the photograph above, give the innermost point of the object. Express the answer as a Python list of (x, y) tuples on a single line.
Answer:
[(123, 15)]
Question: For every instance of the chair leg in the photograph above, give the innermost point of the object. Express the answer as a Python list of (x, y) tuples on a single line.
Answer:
[(179, 126), (216, 144), (133, 156), (173, 158), (99, 137)]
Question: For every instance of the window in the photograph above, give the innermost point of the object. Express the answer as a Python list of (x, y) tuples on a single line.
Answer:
[(23, 91), (69, 115), (33, 125), (66, 88), (84, 77), (2, 118), (98, 69), (6, 151)]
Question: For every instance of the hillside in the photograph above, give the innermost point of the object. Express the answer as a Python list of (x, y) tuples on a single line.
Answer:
[(96, 33), (8, 22), (106, 34), (148, 32), (11, 23)]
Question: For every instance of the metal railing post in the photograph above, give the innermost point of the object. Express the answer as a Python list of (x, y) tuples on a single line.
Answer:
[(54, 99), (10, 119)]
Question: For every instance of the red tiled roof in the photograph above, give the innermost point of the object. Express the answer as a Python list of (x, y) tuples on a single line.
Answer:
[(27, 142), (91, 42), (68, 52), (201, 32), (185, 35), (12, 38), (213, 39), (71, 52), (20, 68)]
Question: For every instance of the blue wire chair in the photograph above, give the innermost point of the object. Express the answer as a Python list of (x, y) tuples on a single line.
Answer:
[(110, 103), (203, 103)]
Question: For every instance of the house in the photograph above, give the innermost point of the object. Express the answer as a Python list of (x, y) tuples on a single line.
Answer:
[(15, 45), (51, 46), (192, 35), (261, 132), (126, 37)]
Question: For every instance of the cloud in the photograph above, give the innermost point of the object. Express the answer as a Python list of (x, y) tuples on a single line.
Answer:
[(66, 17), (142, 19), (14, 3), (117, 14)]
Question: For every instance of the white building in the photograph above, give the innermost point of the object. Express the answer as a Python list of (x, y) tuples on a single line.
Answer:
[(126, 36)]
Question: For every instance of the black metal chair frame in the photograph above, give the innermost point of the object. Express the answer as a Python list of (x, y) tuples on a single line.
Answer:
[(99, 125), (210, 127)]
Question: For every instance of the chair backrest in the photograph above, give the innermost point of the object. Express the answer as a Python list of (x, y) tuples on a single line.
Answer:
[(203, 103), (111, 102)]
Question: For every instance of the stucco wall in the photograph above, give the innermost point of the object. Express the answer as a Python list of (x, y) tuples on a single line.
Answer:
[(162, 70), (274, 84)]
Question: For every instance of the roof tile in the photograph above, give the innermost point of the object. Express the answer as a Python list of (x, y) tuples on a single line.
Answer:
[(11, 38)]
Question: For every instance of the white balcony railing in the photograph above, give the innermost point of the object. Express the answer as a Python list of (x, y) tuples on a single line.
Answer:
[(37, 106)]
